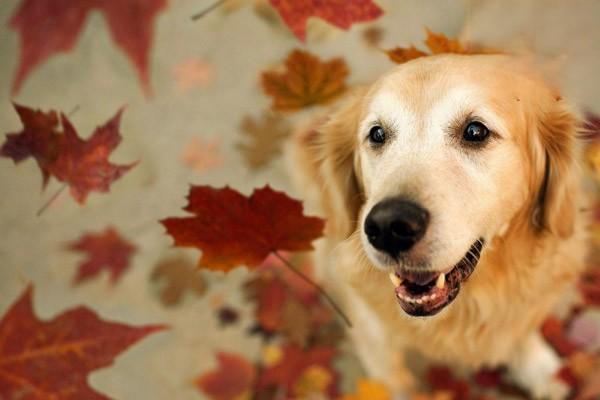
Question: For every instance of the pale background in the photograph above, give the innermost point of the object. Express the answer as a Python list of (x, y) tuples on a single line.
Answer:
[(98, 78)]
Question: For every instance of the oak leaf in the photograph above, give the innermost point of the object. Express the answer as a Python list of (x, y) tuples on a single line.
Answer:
[(341, 13), (50, 27), (105, 250), (178, 276), (264, 139), (42, 360), (306, 81), (40, 139), (232, 379), (367, 389), (232, 229)]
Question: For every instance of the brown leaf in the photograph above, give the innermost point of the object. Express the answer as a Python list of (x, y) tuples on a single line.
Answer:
[(296, 322), (373, 35), (263, 139), (179, 276), (306, 81), (439, 43), (401, 55)]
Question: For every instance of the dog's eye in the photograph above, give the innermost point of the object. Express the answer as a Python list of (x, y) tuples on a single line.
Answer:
[(476, 132), (377, 135)]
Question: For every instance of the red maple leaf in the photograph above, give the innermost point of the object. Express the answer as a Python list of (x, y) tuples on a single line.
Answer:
[(42, 360), (341, 13), (83, 164), (442, 379), (232, 229), (39, 139), (233, 377), (107, 250), (293, 363), (49, 27), (555, 333)]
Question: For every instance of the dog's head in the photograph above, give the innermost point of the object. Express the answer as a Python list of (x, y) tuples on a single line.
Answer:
[(440, 156)]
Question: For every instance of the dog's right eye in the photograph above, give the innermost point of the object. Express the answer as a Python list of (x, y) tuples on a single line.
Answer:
[(377, 135)]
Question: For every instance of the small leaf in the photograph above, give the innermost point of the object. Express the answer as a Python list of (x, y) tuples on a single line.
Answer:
[(231, 380), (400, 55), (178, 276), (264, 139)]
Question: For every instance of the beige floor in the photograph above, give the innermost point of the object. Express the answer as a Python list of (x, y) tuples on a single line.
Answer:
[(99, 79)]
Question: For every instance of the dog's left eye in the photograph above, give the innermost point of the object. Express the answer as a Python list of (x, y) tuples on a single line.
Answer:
[(476, 132), (377, 135)]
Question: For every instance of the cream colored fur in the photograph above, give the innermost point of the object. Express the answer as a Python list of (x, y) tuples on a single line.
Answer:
[(535, 245)]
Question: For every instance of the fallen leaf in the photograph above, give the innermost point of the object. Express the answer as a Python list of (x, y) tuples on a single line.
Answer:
[(179, 276), (201, 156), (193, 73), (341, 13), (442, 379), (401, 55), (40, 139), (106, 250), (82, 164), (42, 360), (289, 371), (264, 139), (367, 389), (554, 331), (49, 27), (231, 380), (439, 43), (306, 81), (232, 229)]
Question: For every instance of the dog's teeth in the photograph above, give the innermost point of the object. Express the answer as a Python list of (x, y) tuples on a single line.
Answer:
[(441, 281), (396, 281)]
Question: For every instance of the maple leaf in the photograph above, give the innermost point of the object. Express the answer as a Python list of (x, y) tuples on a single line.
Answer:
[(232, 229), (341, 13), (179, 275), (106, 250), (39, 139), (265, 138), (49, 27), (288, 371), (83, 164), (306, 81), (401, 55), (201, 156), (233, 378), (555, 333), (439, 43), (367, 389), (441, 379), (42, 360)]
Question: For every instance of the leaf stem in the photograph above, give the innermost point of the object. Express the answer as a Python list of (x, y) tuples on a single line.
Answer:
[(51, 200), (306, 279), (208, 9)]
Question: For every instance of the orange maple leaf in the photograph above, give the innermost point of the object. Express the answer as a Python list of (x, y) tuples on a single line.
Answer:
[(231, 380), (400, 55), (367, 389), (232, 229), (306, 81)]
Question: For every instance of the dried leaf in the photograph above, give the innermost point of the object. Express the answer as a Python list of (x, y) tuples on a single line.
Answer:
[(264, 139), (341, 13), (401, 55), (232, 380), (232, 229), (179, 276), (106, 250), (306, 81), (50, 27), (439, 43), (42, 360)]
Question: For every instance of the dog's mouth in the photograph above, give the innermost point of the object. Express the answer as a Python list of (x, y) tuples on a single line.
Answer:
[(425, 293)]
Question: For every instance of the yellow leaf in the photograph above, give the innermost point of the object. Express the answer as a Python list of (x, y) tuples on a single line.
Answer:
[(367, 389)]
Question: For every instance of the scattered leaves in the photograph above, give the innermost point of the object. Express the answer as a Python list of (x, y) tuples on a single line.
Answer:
[(178, 276), (232, 229), (51, 359), (202, 156), (106, 250), (50, 27), (82, 164), (400, 55), (232, 380), (306, 81), (264, 139), (341, 13)]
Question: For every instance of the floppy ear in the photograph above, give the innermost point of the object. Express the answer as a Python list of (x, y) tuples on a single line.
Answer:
[(339, 170), (556, 200)]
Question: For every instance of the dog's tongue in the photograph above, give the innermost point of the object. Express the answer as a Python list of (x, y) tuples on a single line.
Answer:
[(418, 277)]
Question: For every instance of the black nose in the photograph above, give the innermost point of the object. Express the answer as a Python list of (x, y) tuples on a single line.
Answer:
[(394, 225)]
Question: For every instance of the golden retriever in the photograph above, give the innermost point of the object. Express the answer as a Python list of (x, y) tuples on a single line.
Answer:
[(455, 178)]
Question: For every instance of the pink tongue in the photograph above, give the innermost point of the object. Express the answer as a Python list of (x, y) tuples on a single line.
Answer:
[(418, 277)]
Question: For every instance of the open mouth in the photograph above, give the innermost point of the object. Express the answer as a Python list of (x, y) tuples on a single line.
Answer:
[(425, 293)]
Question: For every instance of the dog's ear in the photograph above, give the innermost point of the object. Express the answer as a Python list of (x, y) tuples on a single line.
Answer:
[(555, 206), (342, 190)]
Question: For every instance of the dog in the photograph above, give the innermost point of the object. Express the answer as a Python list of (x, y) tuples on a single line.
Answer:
[(451, 190)]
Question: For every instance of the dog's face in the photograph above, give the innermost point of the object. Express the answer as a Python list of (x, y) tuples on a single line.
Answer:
[(447, 151)]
